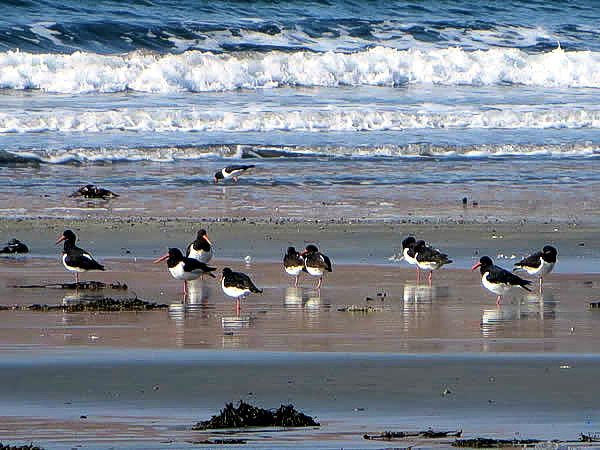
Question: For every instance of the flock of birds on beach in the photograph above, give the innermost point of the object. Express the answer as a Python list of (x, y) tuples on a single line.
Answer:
[(195, 264), (237, 284)]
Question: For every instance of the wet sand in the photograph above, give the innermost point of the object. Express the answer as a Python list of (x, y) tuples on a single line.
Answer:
[(147, 377)]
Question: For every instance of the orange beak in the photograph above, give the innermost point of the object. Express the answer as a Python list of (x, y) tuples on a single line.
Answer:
[(476, 266), (205, 237), (216, 180), (162, 258), (303, 252), (62, 238)]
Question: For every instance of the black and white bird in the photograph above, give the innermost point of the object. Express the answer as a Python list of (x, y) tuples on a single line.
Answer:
[(316, 263), (539, 264), (293, 264), (237, 284), (408, 255), (428, 258), (183, 268), (498, 280), (232, 172), (201, 248), (15, 246), (74, 258)]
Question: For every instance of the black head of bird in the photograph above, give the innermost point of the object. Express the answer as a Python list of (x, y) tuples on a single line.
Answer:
[(202, 235), (68, 237), (173, 256), (218, 176), (409, 242), (484, 264), (549, 253)]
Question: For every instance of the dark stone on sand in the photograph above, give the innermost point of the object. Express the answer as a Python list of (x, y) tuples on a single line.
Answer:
[(14, 246), (92, 191), (106, 304), (246, 415), (19, 447), (493, 443)]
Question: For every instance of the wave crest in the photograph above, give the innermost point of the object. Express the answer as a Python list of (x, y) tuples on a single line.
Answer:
[(195, 71)]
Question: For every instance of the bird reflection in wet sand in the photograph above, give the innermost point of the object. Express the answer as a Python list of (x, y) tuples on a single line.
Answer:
[(416, 293), (293, 297), (532, 307)]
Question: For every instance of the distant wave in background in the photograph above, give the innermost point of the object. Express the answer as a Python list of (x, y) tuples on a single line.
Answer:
[(195, 71)]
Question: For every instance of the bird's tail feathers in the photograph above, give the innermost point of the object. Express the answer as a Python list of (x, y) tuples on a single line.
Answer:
[(256, 290)]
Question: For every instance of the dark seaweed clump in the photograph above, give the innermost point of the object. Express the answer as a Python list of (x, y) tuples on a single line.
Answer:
[(246, 415), (102, 304), (493, 443), (19, 447)]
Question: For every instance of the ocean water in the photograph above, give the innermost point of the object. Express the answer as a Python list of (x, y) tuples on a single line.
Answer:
[(434, 99)]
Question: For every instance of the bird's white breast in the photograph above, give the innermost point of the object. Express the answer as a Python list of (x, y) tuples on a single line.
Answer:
[(496, 288), (409, 259), (293, 270), (70, 268), (200, 255), (233, 291)]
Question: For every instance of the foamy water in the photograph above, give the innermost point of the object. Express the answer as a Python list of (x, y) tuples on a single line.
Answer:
[(370, 113)]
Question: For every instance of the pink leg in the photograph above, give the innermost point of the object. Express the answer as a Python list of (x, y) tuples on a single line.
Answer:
[(418, 275), (76, 277), (429, 279), (184, 289), (235, 179), (541, 285), (319, 283), (498, 300), (238, 306), (296, 282)]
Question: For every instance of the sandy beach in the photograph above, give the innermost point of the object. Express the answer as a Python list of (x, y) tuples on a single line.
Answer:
[(443, 356)]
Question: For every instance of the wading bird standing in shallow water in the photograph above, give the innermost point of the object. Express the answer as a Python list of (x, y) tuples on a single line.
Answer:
[(316, 263), (293, 264), (428, 258), (182, 268), (539, 264), (201, 248), (231, 172), (76, 259), (498, 280), (236, 285)]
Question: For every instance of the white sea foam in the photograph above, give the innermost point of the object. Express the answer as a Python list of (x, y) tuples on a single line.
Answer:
[(172, 154), (313, 120), (380, 66)]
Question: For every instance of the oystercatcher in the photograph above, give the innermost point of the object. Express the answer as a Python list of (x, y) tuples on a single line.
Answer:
[(408, 254), (182, 268), (293, 264), (539, 264), (201, 248), (231, 172), (316, 263), (74, 258), (428, 258), (236, 285), (15, 246), (498, 280)]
